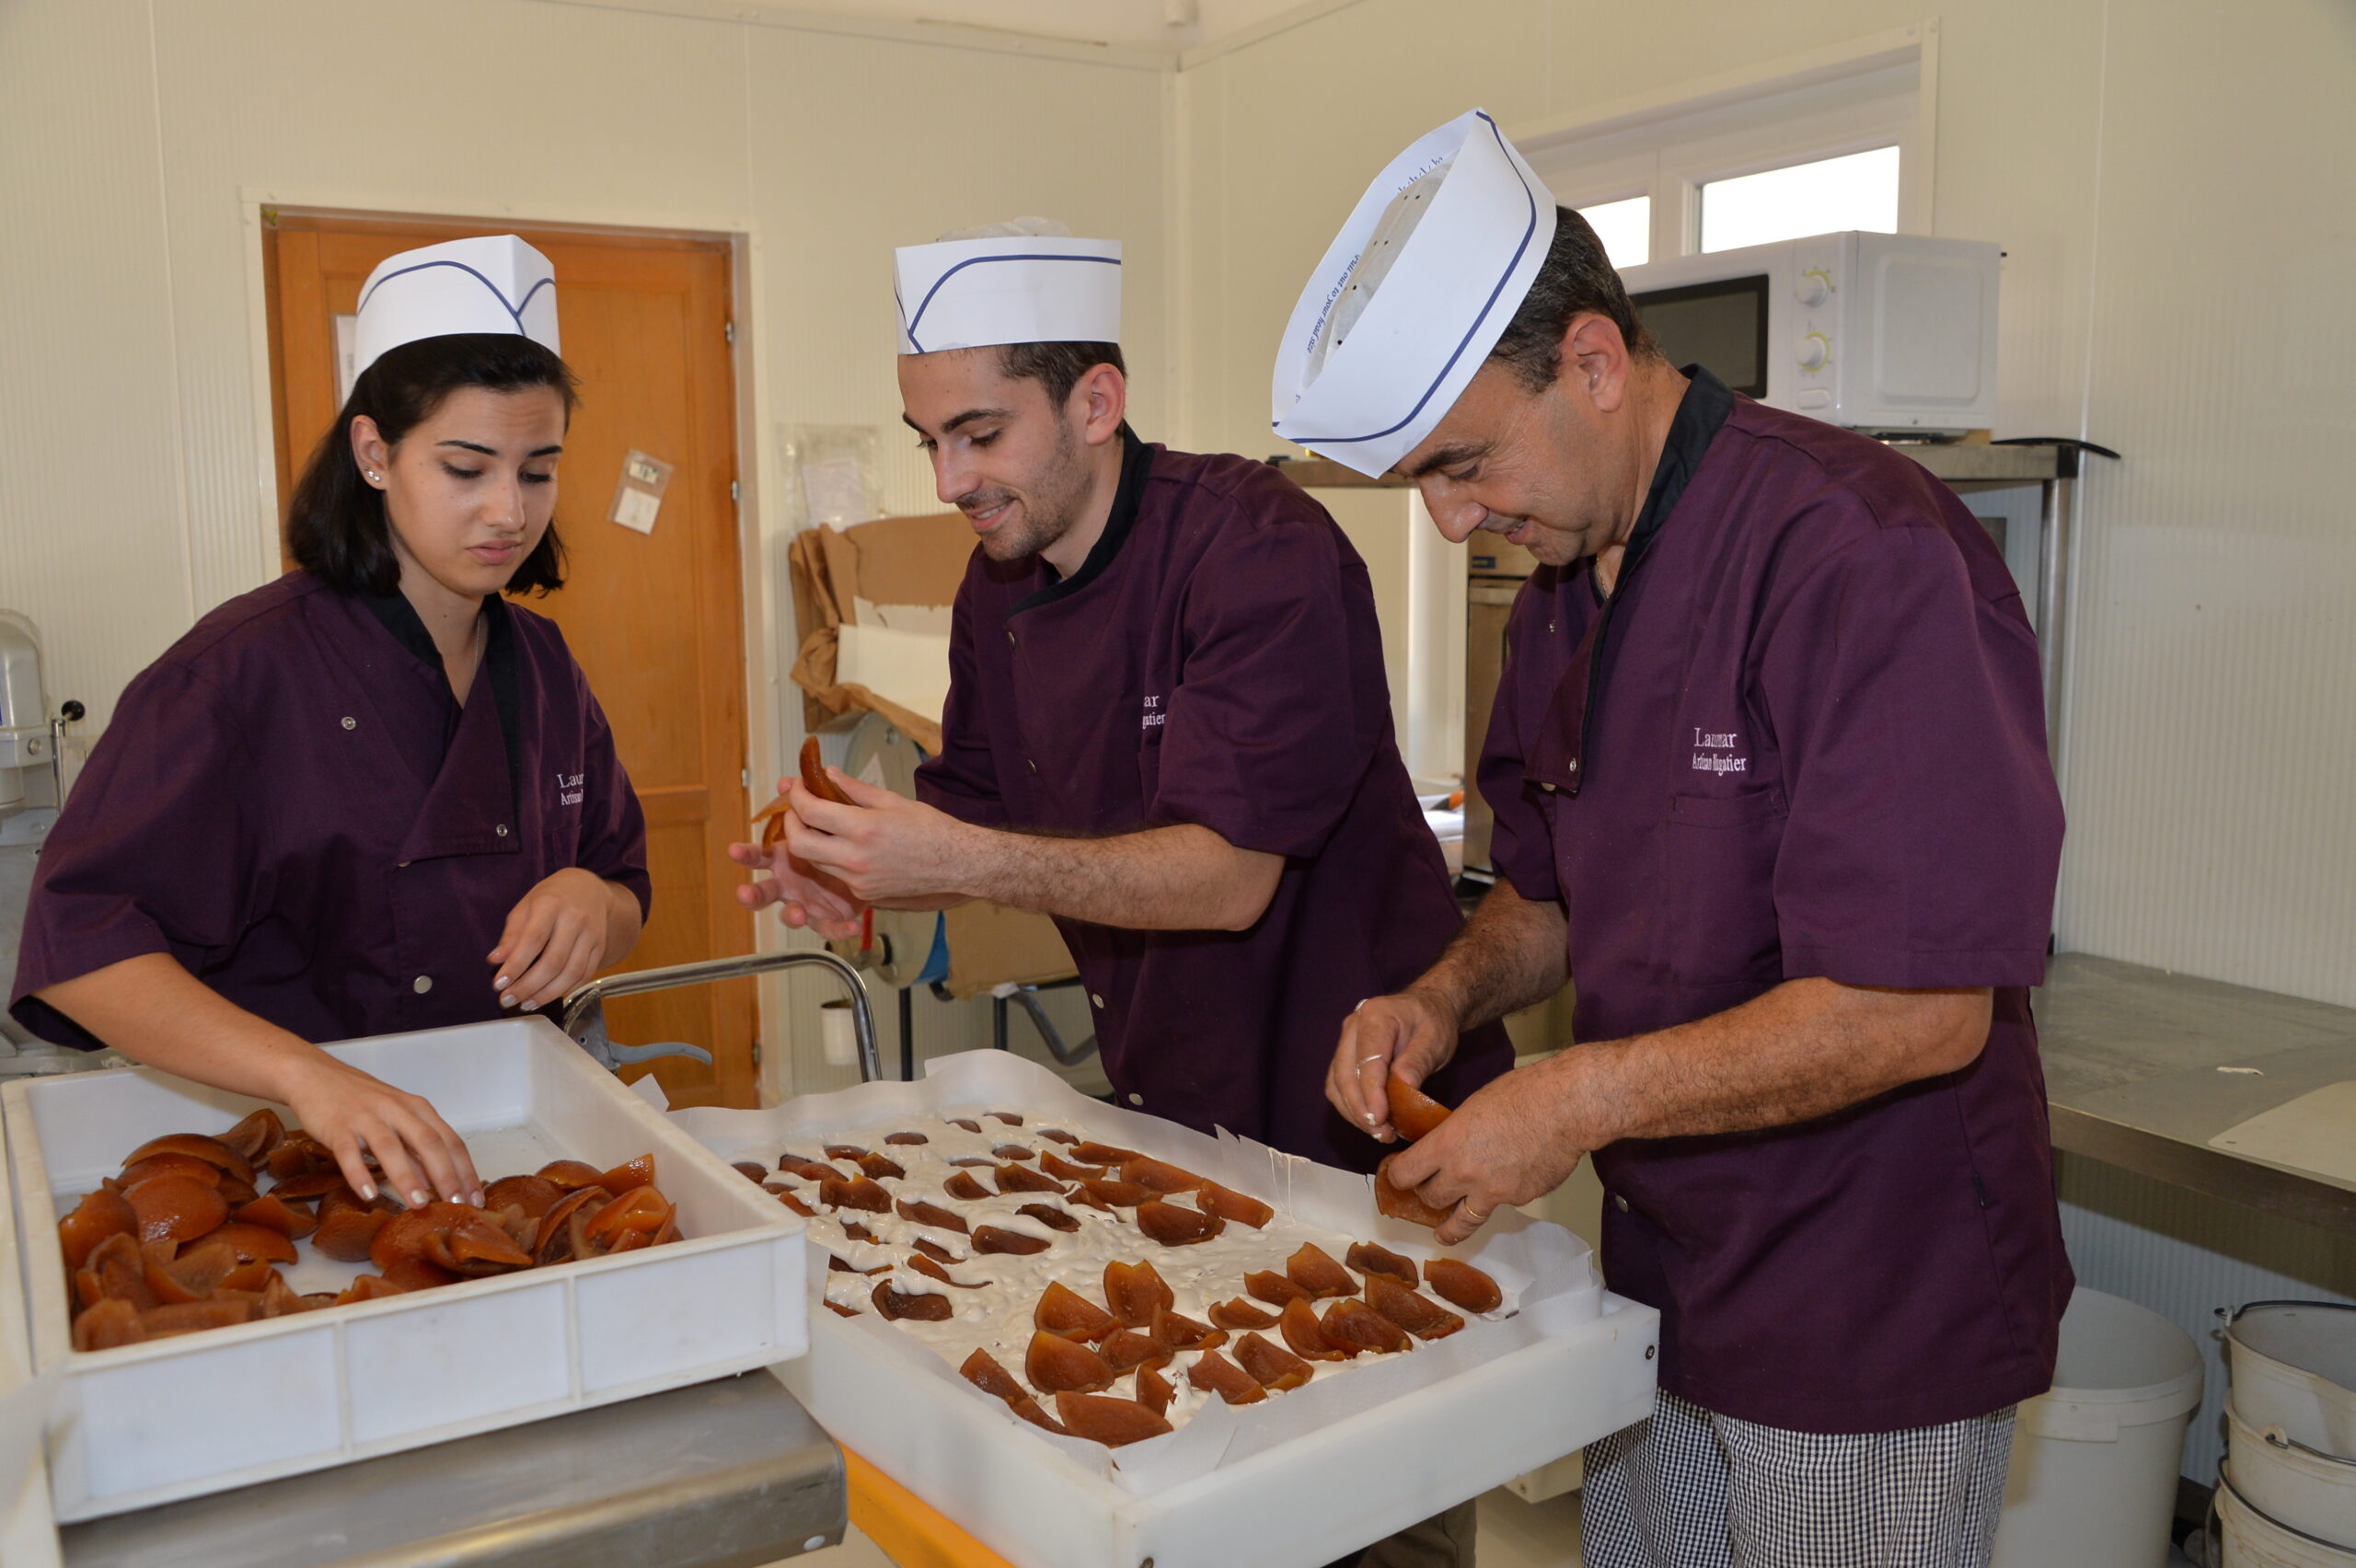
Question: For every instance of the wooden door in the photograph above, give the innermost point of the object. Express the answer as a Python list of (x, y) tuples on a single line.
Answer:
[(655, 619)]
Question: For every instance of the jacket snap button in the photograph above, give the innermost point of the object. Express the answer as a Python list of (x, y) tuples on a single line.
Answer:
[(1009, 637), (1619, 1202), (1097, 999), (501, 830), (1574, 764), (1136, 1099), (1547, 787), (1028, 763), (422, 984), (350, 723)]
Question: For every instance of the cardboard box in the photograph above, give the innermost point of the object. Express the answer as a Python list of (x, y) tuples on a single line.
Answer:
[(891, 560), (908, 560)]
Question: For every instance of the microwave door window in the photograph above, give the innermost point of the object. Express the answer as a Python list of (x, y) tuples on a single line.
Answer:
[(1722, 325)]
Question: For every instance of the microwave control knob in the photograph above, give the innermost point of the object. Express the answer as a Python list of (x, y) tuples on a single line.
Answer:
[(1815, 348), (1815, 287)]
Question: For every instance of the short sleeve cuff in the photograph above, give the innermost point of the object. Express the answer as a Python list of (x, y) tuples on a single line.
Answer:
[(123, 939), (1243, 829), (973, 810), (1522, 851), (1913, 969)]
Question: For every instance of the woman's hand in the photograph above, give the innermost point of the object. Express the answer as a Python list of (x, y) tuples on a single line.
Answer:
[(807, 896), (359, 1117), (155, 1011), (554, 938)]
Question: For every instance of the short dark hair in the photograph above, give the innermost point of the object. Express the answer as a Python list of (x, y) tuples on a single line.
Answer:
[(336, 526), (1576, 279), (1057, 366)]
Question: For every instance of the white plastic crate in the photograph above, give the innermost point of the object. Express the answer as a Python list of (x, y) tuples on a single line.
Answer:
[(201, 1413), (1302, 1479)]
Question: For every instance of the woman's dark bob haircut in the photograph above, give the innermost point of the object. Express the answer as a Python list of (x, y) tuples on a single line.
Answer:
[(335, 528)]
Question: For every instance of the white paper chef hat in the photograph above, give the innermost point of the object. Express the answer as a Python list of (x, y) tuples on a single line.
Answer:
[(494, 284), (1026, 280), (1412, 295)]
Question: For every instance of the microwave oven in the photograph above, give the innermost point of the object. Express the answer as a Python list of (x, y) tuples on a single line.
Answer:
[(1884, 332)]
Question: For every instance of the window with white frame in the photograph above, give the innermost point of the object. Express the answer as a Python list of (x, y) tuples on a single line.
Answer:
[(1833, 143)]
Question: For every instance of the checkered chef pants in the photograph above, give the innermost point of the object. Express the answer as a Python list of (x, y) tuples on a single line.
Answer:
[(1690, 1488)]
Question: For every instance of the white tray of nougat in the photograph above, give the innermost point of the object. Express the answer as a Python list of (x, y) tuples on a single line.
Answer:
[(1089, 1336)]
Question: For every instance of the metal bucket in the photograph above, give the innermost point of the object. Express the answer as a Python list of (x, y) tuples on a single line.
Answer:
[(2294, 1365), (2253, 1540), (2289, 1482)]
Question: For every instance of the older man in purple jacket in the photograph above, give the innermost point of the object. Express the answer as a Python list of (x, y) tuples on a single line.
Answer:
[(1767, 764)]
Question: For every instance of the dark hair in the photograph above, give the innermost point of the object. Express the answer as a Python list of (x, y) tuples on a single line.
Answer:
[(1576, 279), (1057, 366), (336, 527)]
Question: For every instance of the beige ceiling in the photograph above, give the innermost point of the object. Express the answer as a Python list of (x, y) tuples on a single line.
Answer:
[(1163, 24)]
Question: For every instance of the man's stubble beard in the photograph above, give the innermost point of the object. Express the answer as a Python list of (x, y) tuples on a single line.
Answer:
[(1050, 508)]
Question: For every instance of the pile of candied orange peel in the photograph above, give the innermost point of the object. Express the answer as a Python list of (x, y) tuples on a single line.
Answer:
[(184, 1239)]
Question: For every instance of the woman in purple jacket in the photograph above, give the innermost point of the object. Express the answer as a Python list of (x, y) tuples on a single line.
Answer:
[(370, 796)]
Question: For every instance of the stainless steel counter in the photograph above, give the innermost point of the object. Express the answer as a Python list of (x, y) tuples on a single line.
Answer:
[(729, 1474), (2131, 1059)]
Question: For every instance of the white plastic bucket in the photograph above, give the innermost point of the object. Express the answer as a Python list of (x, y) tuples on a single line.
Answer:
[(2292, 1483), (2094, 1460), (2294, 1365), (2253, 1540)]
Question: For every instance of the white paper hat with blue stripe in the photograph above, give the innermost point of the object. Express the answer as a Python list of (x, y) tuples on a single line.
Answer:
[(496, 284), (1412, 295), (1026, 280)]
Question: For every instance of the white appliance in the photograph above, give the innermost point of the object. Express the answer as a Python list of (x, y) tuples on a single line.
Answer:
[(1886, 332)]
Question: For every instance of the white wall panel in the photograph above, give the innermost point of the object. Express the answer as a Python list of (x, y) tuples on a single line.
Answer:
[(91, 544), (2216, 672)]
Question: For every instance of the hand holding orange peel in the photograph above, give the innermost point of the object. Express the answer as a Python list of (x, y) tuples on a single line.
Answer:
[(1413, 1113), (814, 778)]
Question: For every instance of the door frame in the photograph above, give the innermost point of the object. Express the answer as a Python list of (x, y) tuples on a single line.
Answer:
[(772, 724)]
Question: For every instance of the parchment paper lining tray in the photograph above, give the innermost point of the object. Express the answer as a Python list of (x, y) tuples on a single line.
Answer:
[(1570, 1364), (200, 1412)]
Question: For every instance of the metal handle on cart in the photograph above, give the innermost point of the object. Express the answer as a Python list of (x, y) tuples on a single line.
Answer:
[(584, 1006)]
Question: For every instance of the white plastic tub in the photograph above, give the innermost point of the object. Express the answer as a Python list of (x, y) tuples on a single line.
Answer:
[(2294, 1365), (2293, 1483), (2253, 1540), (147, 1424), (2094, 1460), (1297, 1483)]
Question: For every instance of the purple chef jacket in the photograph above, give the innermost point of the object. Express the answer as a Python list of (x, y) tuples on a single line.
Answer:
[(288, 803), (1809, 741), (1214, 660)]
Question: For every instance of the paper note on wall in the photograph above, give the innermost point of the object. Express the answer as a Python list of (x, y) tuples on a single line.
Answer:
[(638, 495), (833, 491)]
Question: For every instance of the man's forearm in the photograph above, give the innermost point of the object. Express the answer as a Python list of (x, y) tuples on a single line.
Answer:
[(1184, 878), (1510, 955), (1806, 1049)]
